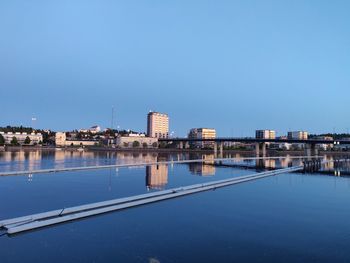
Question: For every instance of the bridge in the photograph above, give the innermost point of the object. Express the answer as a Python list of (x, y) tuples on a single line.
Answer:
[(260, 144)]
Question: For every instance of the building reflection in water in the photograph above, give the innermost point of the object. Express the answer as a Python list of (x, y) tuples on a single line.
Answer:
[(130, 157), (156, 176), (266, 163), (29, 160), (276, 163), (21, 160), (206, 168)]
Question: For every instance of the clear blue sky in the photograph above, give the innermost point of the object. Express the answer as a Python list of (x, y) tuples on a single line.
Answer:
[(232, 65)]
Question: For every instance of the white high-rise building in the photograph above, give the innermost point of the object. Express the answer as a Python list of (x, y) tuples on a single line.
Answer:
[(157, 125)]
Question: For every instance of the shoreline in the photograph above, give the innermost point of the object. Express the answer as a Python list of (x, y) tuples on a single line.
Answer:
[(168, 150)]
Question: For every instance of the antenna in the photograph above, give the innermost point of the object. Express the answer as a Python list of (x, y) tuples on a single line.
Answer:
[(112, 118)]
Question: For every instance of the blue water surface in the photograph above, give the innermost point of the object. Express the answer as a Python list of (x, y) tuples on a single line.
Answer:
[(288, 218)]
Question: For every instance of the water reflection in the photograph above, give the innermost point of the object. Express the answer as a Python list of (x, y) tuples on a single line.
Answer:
[(202, 169), (317, 201), (206, 168), (156, 177), (337, 168)]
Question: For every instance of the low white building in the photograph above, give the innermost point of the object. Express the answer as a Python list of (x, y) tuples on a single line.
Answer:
[(342, 147), (61, 141), (281, 146), (35, 138), (94, 129), (136, 141), (325, 146)]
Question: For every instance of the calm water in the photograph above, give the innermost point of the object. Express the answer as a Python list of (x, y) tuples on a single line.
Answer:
[(288, 218)]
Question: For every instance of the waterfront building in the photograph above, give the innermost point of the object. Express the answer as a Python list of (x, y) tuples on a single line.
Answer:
[(343, 147), (136, 141), (265, 134), (298, 135), (324, 147), (157, 125), (94, 129), (281, 145), (62, 141), (202, 133), (35, 138)]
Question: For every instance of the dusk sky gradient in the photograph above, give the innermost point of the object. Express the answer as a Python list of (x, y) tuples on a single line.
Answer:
[(233, 65)]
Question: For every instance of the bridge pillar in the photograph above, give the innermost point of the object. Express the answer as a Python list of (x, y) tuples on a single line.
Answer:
[(264, 147), (181, 145), (215, 150), (221, 148), (314, 150), (260, 164), (260, 148), (307, 152), (187, 145), (257, 149), (310, 150)]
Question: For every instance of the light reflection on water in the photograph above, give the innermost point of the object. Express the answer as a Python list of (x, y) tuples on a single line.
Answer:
[(33, 160)]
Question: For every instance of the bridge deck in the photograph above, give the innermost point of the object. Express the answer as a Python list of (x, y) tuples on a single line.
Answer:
[(255, 140)]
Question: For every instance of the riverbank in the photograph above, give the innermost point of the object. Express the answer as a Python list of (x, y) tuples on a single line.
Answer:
[(161, 150)]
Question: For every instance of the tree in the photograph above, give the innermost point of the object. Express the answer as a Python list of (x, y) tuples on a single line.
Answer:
[(27, 140), (2, 140), (144, 145), (136, 144), (163, 145), (155, 145), (14, 141)]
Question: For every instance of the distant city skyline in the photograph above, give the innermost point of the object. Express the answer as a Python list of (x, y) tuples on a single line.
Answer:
[(236, 66)]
